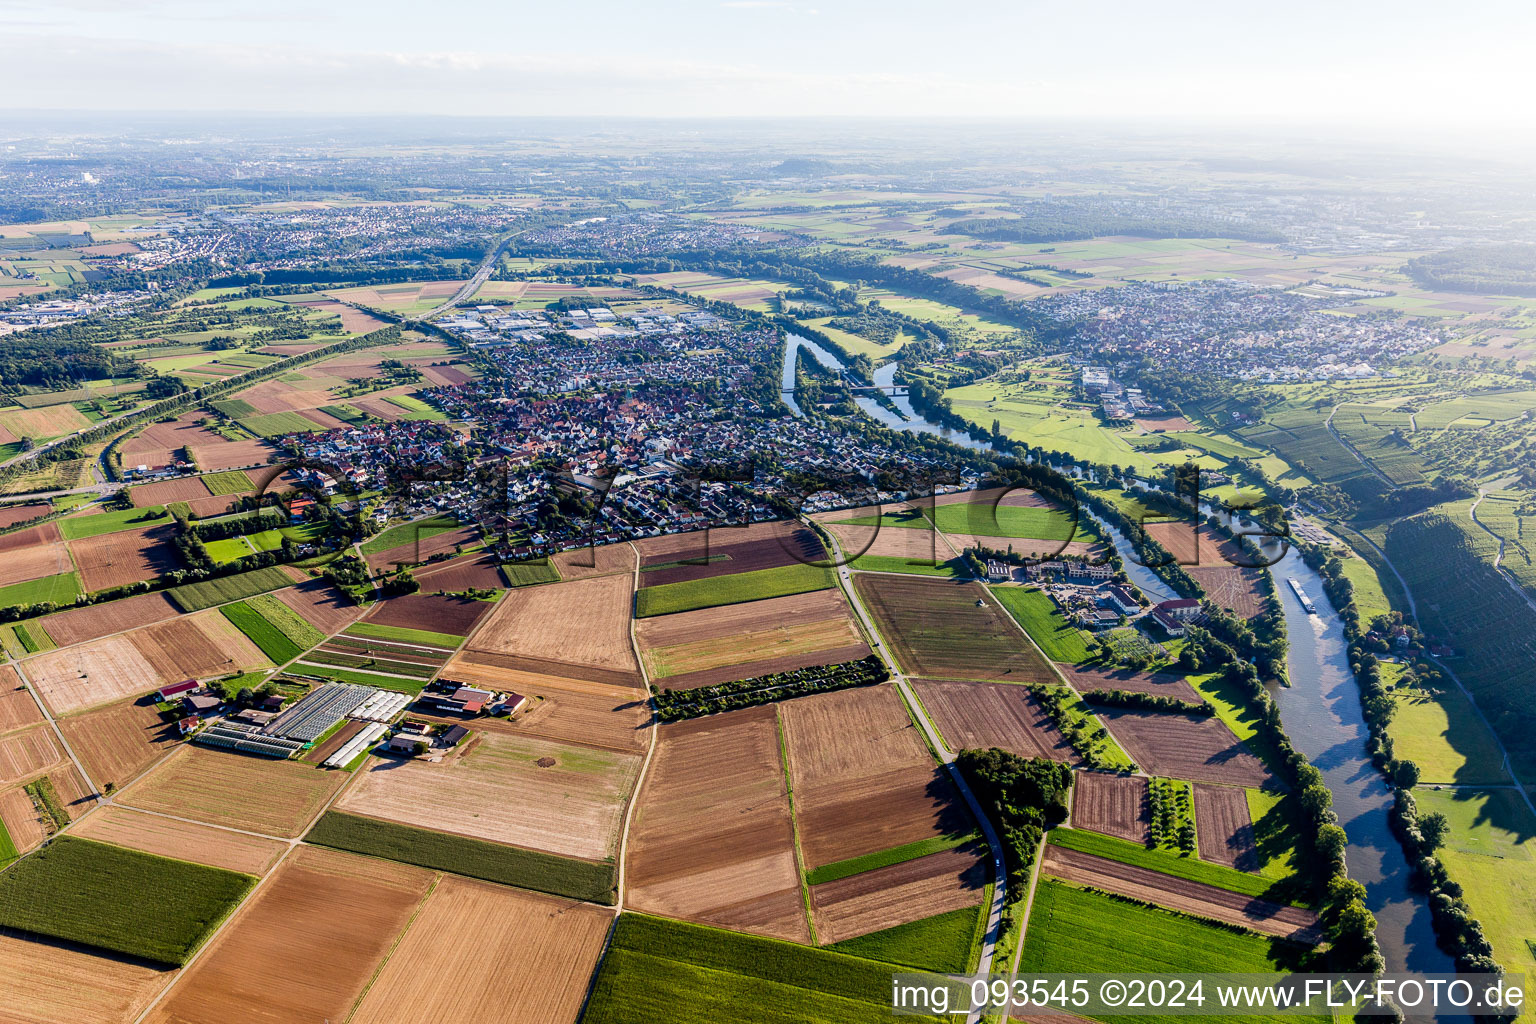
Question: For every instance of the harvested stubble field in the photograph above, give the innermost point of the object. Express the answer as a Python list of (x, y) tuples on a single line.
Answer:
[(52, 983), (214, 458), (74, 794), (495, 788), (321, 605), (545, 950), (1180, 747), (724, 551), (566, 628), (17, 708), (716, 645), (981, 715), (26, 752), (182, 840), (305, 947), (863, 779), (562, 709), (1180, 894), (455, 615), (1223, 827), (899, 893), (163, 492), (1108, 677), (21, 819), (1113, 805), (936, 628), (44, 557), (277, 798), (94, 621), (92, 673), (119, 741), (711, 839), (197, 646), (1240, 591), (129, 556)]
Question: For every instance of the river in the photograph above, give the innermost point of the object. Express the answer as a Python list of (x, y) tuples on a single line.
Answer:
[(1320, 709)]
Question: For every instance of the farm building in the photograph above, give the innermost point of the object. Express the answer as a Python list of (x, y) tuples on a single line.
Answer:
[(174, 690)]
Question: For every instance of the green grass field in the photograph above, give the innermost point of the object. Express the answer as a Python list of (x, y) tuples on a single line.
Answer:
[(1443, 735), (735, 589), (8, 851), (1072, 931), (494, 862), (118, 899), (1370, 599), (884, 858), (224, 589), (287, 620), (81, 527), (941, 943), (1169, 863), (403, 633), (61, 590), (1038, 614), (523, 574), (276, 646), (232, 481), (32, 636), (886, 563), (415, 408), (276, 424), (228, 549), (411, 685), (405, 533), (1491, 852), (658, 970), (234, 408), (983, 519)]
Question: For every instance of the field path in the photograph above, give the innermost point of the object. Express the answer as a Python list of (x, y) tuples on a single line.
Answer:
[(645, 766), (999, 880)]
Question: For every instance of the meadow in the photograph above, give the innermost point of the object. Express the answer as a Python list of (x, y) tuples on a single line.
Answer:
[(945, 943), (714, 591), (1043, 621), (1169, 863)]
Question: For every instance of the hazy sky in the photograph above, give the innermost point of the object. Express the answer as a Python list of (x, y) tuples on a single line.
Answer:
[(1400, 62)]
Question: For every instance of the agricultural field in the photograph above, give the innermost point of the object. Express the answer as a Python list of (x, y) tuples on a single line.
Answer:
[(194, 597), (26, 752), (748, 293), (740, 641), (712, 839), (126, 556), (724, 551), (1443, 735), (579, 629), (118, 742), (521, 791), (714, 591), (659, 970), (977, 715), (1112, 805), (117, 899), (182, 840), (305, 947), (862, 778), (17, 708), (452, 616), (1224, 828), (901, 893), (950, 630), (546, 951), (321, 605), (276, 798), (273, 627), (60, 984), (92, 622), (1042, 620), (1182, 747)]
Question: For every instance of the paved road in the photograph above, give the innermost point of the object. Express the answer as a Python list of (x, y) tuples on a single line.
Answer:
[(999, 894), (487, 268)]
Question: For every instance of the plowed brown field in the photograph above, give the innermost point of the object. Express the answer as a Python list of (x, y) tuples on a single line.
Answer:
[(278, 798), (711, 839), (1181, 747), (94, 621), (50, 983), (34, 562), (1240, 591), (419, 550), (74, 794), (493, 788), (981, 715), (1114, 805), (197, 646), (712, 645), (1181, 895), (12, 514), (900, 893), (546, 950), (454, 615), (118, 742), (579, 563), (1162, 684), (728, 550), (21, 819), (863, 779), (936, 628), (162, 491), (1223, 827), (212, 458), (321, 605), (47, 533), (584, 623), (182, 840), (304, 947), (17, 708), (128, 556), (462, 573)]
